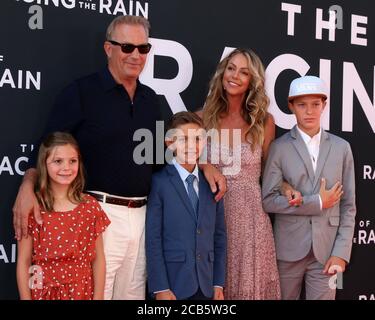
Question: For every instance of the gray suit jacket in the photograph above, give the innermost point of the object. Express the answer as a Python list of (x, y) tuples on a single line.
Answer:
[(296, 229)]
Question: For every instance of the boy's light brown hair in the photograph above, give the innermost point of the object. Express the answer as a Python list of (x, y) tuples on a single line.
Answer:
[(184, 117)]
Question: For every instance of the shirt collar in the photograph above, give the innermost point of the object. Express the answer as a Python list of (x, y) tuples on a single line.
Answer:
[(109, 82), (107, 79), (307, 139), (183, 172)]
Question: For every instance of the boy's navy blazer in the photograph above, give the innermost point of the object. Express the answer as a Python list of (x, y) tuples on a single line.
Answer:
[(183, 252)]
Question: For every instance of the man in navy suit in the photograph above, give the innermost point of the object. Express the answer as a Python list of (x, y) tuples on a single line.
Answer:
[(185, 228)]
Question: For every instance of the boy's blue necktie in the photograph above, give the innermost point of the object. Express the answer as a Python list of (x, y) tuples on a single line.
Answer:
[(192, 194)]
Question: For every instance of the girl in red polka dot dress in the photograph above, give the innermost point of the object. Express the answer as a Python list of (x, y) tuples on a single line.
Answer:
[(63, 258)]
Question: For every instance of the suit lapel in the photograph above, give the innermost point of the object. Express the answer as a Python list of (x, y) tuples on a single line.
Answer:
[(180, 188), (301, 148), (324, 148), (204, 190)]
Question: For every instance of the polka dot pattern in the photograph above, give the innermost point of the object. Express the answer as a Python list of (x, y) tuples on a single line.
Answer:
[(63, 250)]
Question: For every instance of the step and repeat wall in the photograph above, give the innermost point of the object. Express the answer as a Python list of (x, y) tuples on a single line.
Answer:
[(45, 44)]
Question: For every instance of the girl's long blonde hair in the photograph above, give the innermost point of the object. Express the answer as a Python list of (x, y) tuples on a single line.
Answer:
[(43, 187), (255, 105)]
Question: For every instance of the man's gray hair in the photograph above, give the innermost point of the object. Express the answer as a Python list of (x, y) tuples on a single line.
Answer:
[(130, 20)]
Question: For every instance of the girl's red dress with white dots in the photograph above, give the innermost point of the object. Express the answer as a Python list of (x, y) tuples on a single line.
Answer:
[(63, 250)]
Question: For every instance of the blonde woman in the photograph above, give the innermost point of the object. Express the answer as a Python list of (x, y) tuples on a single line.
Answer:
[(237, 100)]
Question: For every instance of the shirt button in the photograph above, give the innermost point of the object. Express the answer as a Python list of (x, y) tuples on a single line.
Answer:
[(198, 256), (199, 231)]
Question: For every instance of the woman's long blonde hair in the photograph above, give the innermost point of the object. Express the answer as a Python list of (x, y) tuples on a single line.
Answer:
[(43, 186), (255, 105)]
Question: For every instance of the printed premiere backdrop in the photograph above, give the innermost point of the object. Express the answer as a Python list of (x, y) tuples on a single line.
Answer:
[(46, 44)]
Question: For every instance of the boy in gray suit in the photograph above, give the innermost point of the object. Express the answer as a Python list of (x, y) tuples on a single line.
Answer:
[(313, 239)]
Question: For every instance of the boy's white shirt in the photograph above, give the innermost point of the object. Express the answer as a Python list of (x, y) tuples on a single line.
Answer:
[(313, 145)]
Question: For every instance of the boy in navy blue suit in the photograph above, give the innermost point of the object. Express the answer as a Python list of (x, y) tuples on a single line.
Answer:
[(185, 228)]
